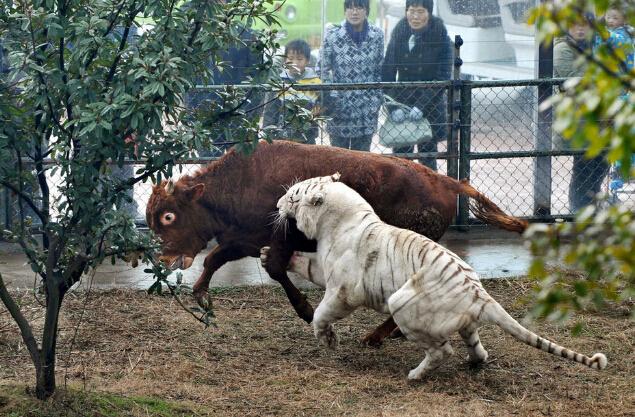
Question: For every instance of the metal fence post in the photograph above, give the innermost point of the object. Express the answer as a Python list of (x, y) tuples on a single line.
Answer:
[(542, 164), (453, 110), (465, 143)]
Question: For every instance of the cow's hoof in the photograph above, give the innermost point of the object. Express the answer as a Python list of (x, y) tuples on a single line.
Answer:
[(397, 334), (373, 340), (304, 309), (203, 299), (264, 255)]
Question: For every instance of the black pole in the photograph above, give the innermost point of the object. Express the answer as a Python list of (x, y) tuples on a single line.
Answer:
[(465, 144), (453, 109), (542, 164)]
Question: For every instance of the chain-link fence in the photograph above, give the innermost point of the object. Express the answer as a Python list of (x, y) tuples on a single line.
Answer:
[(489, 132)]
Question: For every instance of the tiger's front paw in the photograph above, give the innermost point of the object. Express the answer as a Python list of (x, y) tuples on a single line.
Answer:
[(327, 337), (264, 255)]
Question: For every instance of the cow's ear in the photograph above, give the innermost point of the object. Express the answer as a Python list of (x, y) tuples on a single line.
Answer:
[(336, 177), (316, 199), (196, 192)]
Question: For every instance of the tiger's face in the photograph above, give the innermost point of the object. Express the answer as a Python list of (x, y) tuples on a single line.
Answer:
[(303, 202)]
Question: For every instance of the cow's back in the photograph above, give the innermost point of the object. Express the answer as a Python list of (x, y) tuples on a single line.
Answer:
[(403, 193)]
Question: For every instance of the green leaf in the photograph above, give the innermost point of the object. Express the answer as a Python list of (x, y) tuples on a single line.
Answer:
[(155, 288), (581, 289)]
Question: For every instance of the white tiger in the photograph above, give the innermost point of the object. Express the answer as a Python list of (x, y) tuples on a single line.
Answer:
[(361, 261)]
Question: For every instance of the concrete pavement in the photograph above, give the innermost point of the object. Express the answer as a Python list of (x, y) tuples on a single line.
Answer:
[(491, 252)]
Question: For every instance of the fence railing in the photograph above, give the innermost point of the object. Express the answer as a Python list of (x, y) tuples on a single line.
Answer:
[(488, 132)]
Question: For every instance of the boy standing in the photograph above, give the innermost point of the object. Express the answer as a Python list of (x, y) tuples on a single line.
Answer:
[(280, 111)]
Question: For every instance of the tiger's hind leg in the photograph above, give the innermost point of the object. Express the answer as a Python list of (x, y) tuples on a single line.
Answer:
[(475, 350), (436, 354)]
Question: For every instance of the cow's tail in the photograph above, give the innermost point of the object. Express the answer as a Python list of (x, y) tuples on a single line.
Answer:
[(484, 209)]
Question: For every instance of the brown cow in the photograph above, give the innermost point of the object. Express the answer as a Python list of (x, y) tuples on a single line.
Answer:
[(233, 200)]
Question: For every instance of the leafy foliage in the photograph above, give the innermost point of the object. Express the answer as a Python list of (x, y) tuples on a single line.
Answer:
[(89, 90), (88, 95), (601, 242)]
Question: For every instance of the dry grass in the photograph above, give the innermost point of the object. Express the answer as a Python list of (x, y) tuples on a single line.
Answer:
[(263, 360)]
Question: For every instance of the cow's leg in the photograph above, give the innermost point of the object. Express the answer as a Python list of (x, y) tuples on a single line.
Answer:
[(377, 336), (276, 266), (218, 257)]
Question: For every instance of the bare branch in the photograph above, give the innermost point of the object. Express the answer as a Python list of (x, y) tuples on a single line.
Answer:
[(22, 322), (27, 252), (130, 182), (178, 300), (123, 251), (79, 322), (111, 24), (44, 187), (24, 197), (195, 32), (122, 44)]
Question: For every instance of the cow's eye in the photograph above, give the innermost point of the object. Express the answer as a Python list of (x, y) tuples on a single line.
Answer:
[(168, 218)]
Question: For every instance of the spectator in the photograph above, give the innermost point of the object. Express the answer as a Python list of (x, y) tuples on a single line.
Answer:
[(244, 62), (352, 53), (297, 55), (620, 35), (587, 174), (420, 50)]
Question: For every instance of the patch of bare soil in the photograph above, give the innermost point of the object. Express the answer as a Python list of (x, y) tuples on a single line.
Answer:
[(263, 360)]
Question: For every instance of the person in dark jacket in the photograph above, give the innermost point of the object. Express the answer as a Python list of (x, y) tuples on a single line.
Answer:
[(420, 50), (587, 174)]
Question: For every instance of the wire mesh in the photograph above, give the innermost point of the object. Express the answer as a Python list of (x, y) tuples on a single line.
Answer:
[(503, 140)]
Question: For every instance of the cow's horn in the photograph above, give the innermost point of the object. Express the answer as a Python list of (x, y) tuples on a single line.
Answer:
[(169, 187)]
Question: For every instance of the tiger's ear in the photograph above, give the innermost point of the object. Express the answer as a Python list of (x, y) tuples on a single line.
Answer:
[(336, 177), (316, 199)]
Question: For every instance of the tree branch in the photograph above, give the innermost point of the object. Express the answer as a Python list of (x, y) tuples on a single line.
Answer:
[(178, 300), (132, 181), (111, 25), (123, 251), (26, 199), (122, 44), (22, 322), (27, 252), (44, 187)]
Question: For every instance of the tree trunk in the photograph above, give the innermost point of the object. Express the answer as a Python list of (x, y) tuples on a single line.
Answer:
[(45, 373)]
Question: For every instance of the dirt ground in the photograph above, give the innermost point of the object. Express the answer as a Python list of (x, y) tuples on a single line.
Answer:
[(263, 360)]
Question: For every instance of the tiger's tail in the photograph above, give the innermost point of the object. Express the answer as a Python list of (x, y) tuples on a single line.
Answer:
[(495, 313), (486, 210)]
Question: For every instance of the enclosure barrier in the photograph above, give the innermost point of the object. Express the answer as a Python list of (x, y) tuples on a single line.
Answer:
[(491, 136)]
